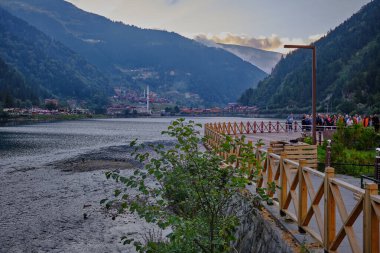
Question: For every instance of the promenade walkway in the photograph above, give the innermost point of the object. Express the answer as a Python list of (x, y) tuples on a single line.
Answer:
[(326, 211), (349, 198)]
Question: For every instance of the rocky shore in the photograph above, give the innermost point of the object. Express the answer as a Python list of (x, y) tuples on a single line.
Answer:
[(55, 207)]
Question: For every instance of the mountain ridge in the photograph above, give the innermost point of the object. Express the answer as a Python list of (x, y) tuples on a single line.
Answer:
[(348, 71)]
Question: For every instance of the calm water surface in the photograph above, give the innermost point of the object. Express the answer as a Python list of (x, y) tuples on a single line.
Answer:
[(47, 142)]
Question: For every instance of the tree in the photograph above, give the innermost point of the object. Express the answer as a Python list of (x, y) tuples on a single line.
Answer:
[(51, 106), (191, 194)]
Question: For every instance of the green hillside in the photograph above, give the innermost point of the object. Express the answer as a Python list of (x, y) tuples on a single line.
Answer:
[(48, 67), (348, 71), (14, 91)]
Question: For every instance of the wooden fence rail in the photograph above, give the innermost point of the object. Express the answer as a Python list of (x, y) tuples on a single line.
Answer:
[(304, 195)]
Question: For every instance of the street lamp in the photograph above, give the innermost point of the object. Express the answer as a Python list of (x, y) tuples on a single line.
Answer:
[(314, 86)]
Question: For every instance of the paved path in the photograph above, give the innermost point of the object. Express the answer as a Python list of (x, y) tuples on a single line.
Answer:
[(268, 137), (348, 197)]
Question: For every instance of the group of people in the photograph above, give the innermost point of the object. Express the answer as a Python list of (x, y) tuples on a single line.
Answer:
[(325, 120)]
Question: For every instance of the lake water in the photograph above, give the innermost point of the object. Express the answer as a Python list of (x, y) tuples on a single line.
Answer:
[(46, 142), (42, 207)]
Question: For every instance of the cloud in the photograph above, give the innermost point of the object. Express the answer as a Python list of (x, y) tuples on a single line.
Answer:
[(271, 43), (267, 43)]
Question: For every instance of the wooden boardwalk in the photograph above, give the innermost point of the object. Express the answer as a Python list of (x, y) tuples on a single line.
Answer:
[(339, 215), (268, 137)]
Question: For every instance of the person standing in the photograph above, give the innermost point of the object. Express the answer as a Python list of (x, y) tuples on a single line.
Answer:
[(375, 122), (289, 122)]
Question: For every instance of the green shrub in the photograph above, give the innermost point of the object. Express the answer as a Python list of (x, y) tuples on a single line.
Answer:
[(353, 145), (356, 137), (190, 194)]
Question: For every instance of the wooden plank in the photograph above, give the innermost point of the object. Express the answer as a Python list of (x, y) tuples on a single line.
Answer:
[(376, 208), (375, 198), (314, 208), (292, 195), (283, 183), (348, 230), (344, 215), (329, 221), (370, 221), (302, 194), (290, 162), (348, 186)]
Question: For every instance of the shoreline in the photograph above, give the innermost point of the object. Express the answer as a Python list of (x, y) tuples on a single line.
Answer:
[(6, 122), (55, 207)]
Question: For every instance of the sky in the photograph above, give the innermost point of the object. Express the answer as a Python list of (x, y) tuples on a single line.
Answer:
[(265, 24)]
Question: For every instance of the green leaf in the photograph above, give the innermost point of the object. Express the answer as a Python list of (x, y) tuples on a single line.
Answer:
[(117, 192)]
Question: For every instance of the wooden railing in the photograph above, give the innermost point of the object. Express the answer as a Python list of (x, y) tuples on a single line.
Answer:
[(253, 127), (340, 216), (233, 128)]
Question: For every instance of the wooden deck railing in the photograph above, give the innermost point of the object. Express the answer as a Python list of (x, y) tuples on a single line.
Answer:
[(327, 208), (233, 128), (253, 127)]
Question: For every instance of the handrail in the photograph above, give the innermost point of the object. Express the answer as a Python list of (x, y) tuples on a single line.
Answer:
[(261, 127), (301, 198)]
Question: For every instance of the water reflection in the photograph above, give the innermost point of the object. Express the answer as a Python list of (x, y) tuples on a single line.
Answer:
[(46, 142)]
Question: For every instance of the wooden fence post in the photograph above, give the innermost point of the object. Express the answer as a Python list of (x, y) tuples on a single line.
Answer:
[(260, 174), (370, 222), (329, 219), (269, 171), (302, 196), (283, 184)]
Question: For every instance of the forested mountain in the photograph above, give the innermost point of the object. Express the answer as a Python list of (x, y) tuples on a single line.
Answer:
[(14, 91), (348, 71), (135, 57), (44, 66)]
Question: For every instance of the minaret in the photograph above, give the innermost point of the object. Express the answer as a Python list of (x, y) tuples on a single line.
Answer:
[(147, 100)]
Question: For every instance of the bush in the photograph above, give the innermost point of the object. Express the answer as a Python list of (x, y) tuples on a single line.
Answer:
[(356, 137), (190, 194), (352, 148)]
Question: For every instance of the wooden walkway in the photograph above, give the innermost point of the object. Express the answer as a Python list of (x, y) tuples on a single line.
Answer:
[(340, 216)]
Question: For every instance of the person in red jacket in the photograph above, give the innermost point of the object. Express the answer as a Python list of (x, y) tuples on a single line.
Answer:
[(365, 121)]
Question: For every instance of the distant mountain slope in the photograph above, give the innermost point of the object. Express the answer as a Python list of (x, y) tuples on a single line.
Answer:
[(348, 70), (50, 67), (265, 60), (14, 91), (134, 56)]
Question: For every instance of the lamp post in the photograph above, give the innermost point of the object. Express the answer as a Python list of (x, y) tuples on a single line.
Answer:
[(314, 86)]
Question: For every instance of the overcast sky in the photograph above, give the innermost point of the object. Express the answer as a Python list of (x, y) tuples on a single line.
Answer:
[(266, 24)]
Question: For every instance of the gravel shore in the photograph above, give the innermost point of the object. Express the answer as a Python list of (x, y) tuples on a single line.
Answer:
[(55, 207)]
